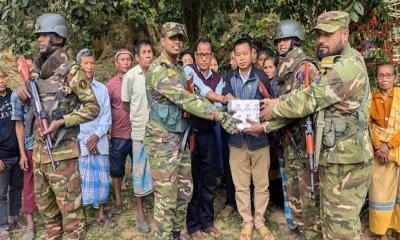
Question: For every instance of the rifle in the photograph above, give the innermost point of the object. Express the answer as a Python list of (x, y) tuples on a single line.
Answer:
[(288, 211), (40, 115), (309, 134)]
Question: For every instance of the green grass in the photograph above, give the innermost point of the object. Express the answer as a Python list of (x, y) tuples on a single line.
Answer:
[(126, 223)]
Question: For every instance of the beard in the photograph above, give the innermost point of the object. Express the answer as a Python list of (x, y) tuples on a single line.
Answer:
[(335, 51)]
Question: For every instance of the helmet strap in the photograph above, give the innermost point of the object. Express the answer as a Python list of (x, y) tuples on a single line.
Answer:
[(293, 44), (51, 47)]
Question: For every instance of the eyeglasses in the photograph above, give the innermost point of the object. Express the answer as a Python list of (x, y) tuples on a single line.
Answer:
[(386, 75), (201, 55)]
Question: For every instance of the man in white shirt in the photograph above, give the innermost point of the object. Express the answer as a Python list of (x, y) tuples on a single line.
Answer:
[(133, 96)]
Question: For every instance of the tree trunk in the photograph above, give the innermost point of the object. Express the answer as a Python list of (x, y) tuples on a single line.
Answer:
[(192, 17), (153, 35)]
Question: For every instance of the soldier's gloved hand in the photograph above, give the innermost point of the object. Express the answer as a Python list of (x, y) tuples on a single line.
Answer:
[(227, 122)]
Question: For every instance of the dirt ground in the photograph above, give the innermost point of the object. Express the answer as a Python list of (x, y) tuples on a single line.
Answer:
[(126, 223)]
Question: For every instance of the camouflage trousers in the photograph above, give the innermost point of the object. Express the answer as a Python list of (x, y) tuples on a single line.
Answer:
[(305, 210), (343, 191), (59, 199), (172, 181)]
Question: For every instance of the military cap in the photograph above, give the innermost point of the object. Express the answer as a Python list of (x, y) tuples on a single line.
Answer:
[(170, 29), (331, 21)]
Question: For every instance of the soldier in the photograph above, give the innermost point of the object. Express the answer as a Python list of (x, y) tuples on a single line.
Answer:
[(291, 73), (164, 141), (68, 101), (341, 94)]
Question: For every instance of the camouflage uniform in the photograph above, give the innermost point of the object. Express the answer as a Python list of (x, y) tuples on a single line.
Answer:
[(58, 194), (170, 166), (291, 74), (342, 92)]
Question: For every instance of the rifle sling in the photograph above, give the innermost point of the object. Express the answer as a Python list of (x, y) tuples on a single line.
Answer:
[(319, 129)]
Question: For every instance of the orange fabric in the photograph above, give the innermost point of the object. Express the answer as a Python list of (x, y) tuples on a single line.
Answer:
[(379, 115)]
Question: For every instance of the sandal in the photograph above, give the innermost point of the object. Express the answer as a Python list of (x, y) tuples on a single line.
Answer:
[(265, 233), (293, 234), (15, 223), (108, 222), (197, 236), (117, 210), (245, 233), (29, 234), (143, 226), (213, 232)]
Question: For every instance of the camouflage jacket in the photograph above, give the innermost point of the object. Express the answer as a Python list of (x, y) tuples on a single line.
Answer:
[(291, 75), (63, 86), (339, 91), (164, 83)]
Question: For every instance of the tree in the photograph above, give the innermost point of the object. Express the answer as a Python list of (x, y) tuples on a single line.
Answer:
[(100, 24)]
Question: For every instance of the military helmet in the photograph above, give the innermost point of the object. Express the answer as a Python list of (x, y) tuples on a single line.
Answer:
[(51, 23), (289, 28)]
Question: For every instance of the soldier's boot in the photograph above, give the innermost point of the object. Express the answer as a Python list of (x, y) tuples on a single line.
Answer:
[(54, 228), (77, 232)]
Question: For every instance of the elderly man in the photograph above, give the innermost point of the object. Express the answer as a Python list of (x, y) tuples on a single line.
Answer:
[(384, 211), (341, 97), (93, 141)]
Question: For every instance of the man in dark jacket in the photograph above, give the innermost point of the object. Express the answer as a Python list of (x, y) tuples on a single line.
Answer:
[(249, 156)]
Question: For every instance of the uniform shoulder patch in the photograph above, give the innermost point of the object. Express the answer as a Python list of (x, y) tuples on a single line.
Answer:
[(83, 84), (318, 80), (327, 62), (300, 76)]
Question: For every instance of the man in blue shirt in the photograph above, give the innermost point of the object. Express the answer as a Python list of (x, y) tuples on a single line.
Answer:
[(93, 141)]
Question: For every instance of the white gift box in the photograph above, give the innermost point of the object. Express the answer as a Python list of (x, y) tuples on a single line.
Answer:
[(243, 110)]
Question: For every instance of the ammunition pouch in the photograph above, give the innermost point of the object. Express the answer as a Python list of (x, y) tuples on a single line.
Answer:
[(169, 115), (338, 129)]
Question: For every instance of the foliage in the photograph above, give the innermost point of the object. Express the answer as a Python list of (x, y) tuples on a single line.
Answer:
[(373, 36), (223, 21)]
